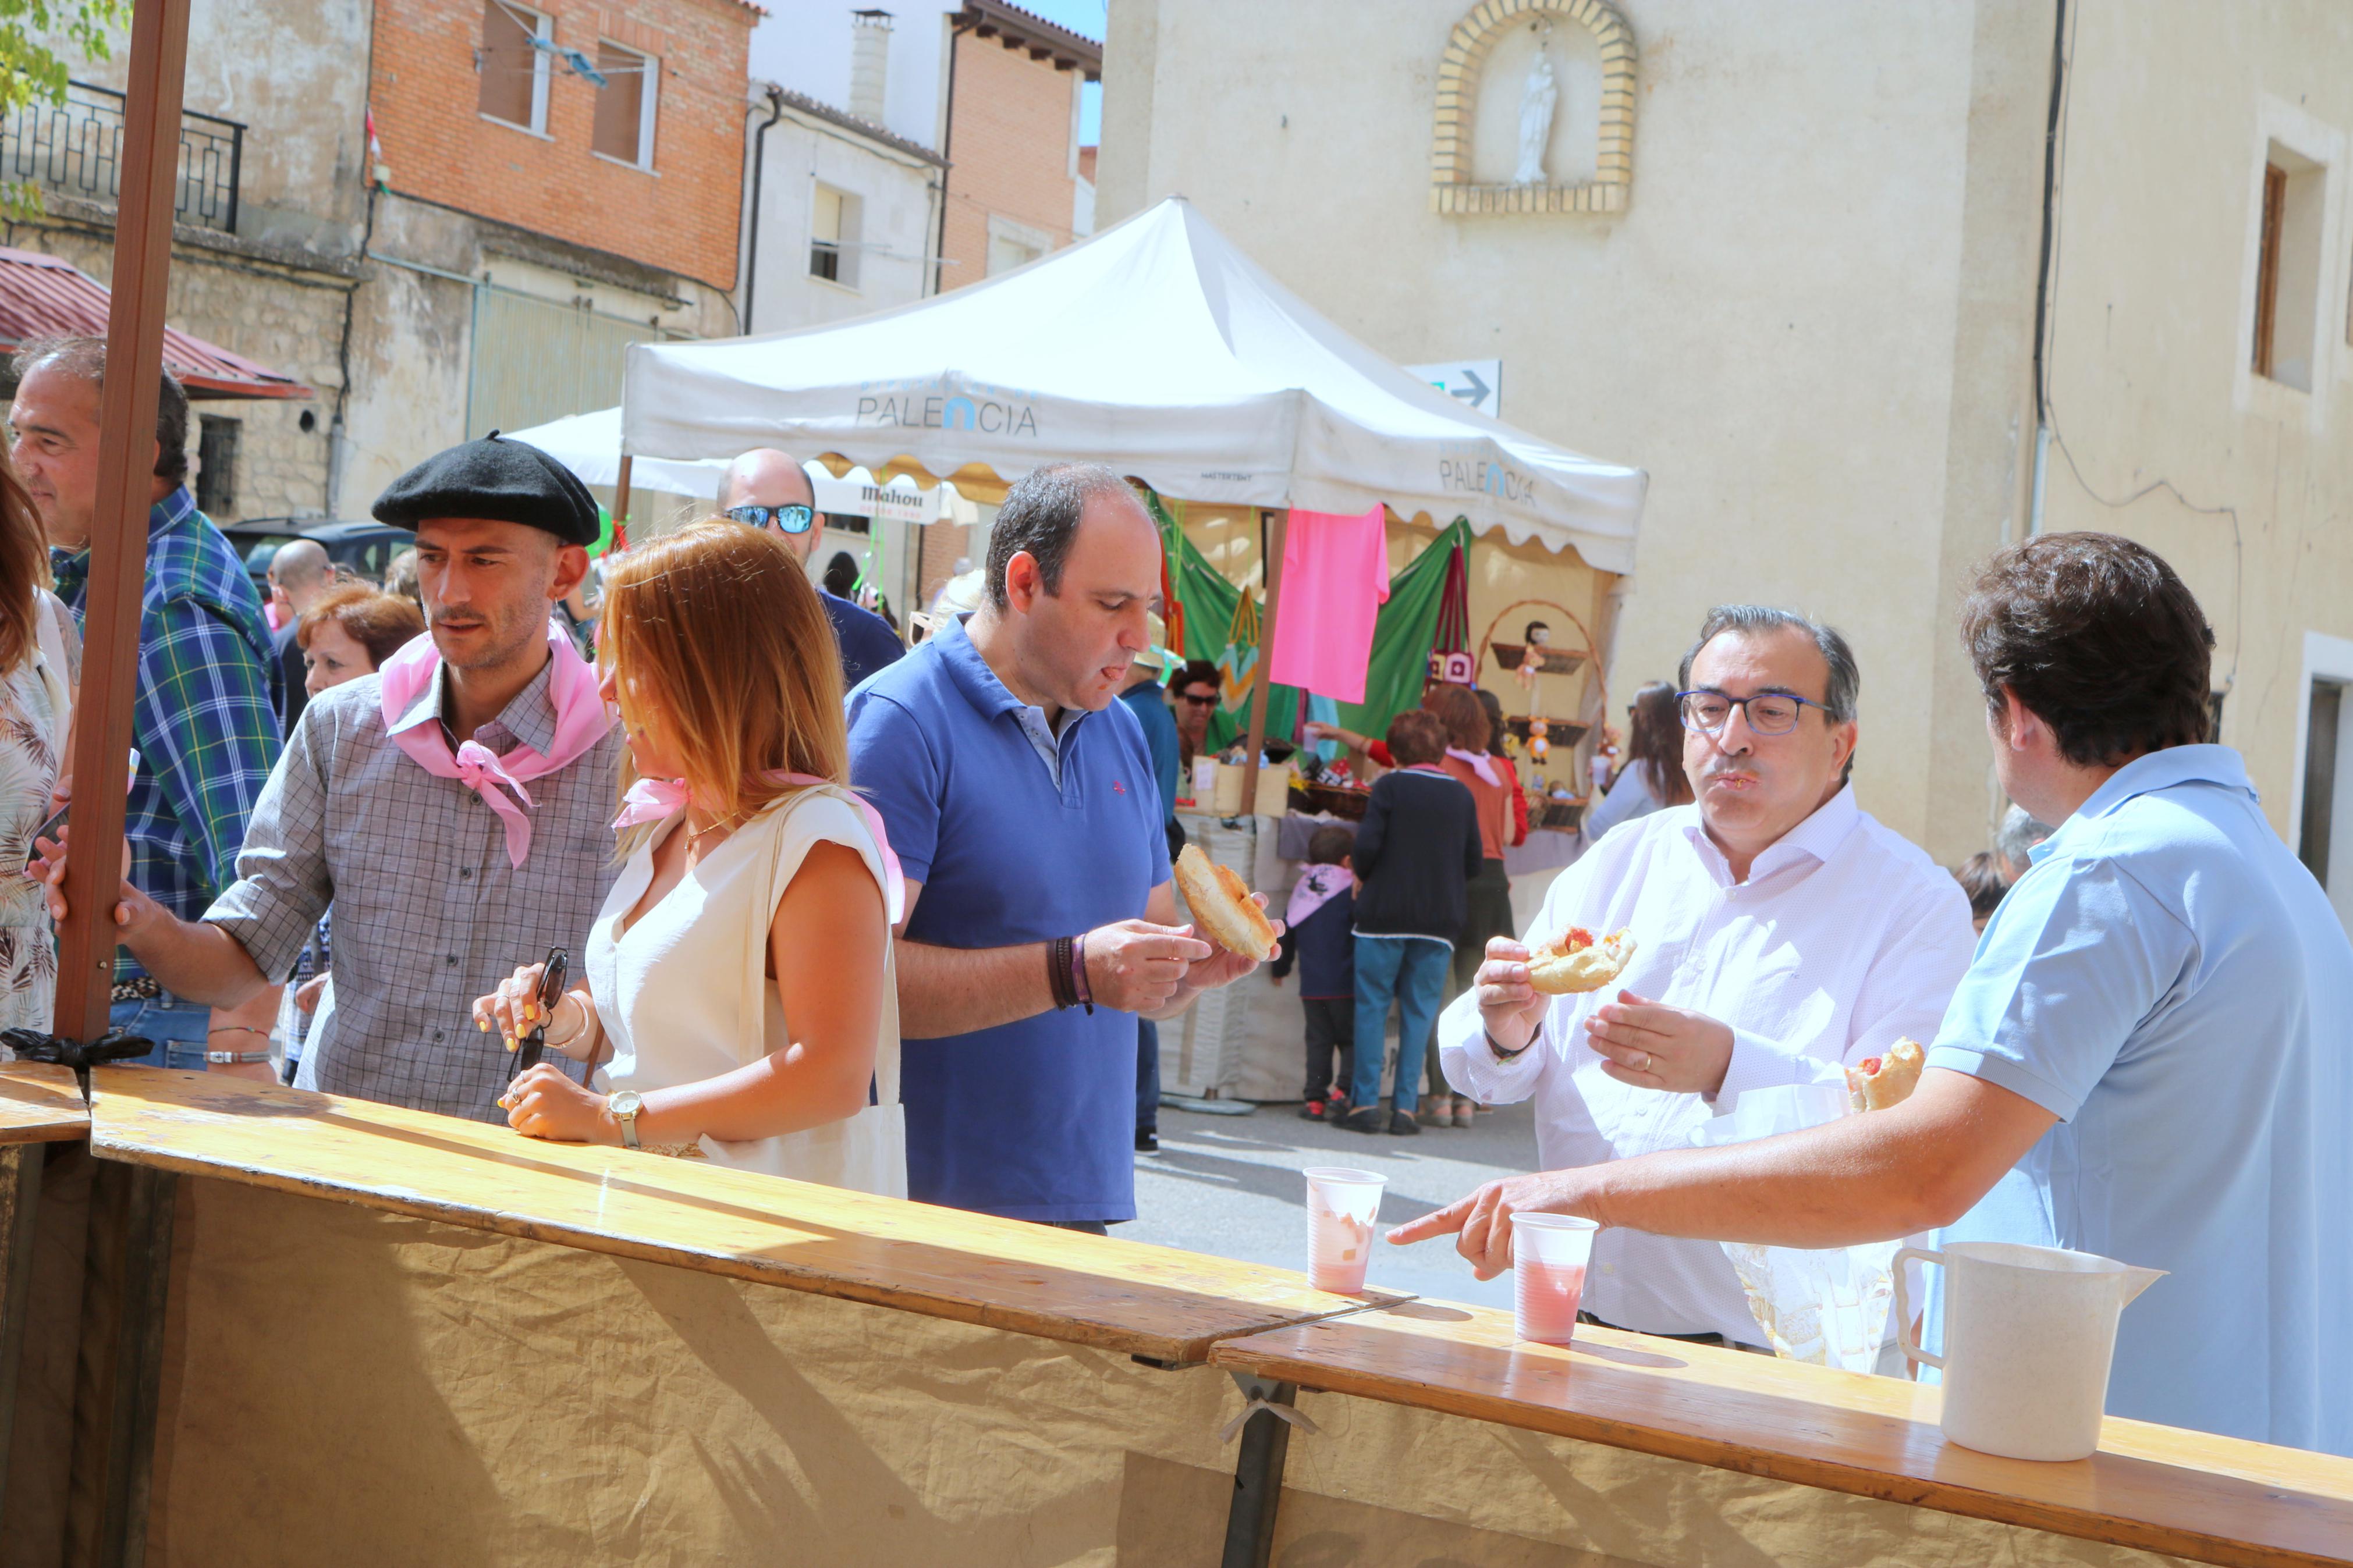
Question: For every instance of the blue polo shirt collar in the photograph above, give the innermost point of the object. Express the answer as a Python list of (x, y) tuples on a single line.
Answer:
[(990, 696), (2175, 765)]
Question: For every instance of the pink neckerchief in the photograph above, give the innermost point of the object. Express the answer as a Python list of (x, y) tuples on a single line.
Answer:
[(1317, 885), (658, 800), (581, 721), (1480, 763)]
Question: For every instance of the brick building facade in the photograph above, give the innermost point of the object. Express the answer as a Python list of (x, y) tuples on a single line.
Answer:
[(439, 68), (467, 274), (1013, 153)]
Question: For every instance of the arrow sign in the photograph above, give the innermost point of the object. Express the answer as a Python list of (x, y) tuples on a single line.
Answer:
[(1478, 382)]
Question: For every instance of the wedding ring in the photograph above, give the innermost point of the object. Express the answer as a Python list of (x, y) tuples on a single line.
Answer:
[(1646, 1063)]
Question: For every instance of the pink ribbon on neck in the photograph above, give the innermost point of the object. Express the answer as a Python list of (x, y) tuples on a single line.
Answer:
[(1480, 763), (658, 800), (581, 721)]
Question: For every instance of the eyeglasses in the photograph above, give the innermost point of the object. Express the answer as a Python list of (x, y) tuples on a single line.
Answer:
[(1195, 699), (1767, 713), (793, 518)]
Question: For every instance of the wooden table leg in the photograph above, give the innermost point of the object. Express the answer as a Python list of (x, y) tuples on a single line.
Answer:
[(1258, 1474), (119, 1378), (20, 1203)]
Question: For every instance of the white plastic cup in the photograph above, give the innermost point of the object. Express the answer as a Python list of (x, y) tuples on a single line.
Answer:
[(1341, 1207), (1549, 1253)]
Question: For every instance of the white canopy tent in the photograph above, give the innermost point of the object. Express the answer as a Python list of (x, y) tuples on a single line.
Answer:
[(590, 445), (1156, 347)]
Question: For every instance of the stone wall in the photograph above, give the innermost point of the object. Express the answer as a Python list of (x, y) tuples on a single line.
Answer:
[(290, 319)]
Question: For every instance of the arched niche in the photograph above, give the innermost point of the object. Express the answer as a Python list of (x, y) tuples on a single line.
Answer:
[(1453, 186)]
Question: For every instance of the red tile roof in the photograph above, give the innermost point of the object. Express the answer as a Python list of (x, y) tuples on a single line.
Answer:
[(45, 296)]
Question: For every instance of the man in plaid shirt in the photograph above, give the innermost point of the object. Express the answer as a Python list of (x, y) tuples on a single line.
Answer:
[(206, 723)]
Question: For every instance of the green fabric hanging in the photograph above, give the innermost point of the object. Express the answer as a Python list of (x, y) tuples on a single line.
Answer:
[(1401, 633)]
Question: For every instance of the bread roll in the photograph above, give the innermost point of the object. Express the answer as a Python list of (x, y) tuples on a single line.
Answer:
[(1222, 907), (1884, 1080), (1574, 960)]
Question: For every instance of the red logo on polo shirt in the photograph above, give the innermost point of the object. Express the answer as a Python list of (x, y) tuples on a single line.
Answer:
[(1117, 788)]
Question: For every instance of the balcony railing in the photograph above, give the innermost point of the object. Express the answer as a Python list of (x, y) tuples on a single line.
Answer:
[(76, 148)]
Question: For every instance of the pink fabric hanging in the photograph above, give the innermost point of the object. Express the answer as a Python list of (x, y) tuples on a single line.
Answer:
[(1335, 577)]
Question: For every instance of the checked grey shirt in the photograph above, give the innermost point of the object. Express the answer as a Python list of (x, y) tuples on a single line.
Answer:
[(429, 914)]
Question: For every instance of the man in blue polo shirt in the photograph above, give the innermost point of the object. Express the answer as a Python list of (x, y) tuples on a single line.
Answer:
[(1020, 800), (2149, 1058)]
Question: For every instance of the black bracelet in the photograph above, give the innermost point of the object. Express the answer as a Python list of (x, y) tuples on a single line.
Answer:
[(1496, 1045), (1058, 974)]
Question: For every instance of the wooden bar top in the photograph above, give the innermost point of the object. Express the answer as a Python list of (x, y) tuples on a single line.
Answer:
[(2214, 1500), (40, 1104), (1009, 1274)]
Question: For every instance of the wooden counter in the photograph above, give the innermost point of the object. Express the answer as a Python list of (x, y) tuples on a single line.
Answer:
[(40, 1104), (2214, 1500), (567, 1350), (1145, 1300)]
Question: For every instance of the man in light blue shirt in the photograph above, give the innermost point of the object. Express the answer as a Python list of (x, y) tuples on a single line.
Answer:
[(2157, 1033)]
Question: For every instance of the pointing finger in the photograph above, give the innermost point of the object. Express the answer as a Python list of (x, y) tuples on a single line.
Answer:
[(1438, 1222)]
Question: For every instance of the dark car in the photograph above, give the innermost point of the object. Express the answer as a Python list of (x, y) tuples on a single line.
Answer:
[(359, 549)]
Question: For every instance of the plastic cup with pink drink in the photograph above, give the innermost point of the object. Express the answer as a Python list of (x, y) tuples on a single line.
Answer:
[(1550, 1254), (1341, 1207)]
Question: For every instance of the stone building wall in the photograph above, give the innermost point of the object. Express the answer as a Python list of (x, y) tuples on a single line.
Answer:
[(289, 318), (681, 215)]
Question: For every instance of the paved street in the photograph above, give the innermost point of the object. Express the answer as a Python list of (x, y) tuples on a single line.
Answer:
[(1230, 1185)]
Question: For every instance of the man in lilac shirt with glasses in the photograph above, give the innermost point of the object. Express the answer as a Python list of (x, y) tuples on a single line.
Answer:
[(768, 488), (1783, 934)]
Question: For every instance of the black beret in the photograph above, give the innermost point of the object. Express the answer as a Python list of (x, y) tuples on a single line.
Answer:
[(509, 481)]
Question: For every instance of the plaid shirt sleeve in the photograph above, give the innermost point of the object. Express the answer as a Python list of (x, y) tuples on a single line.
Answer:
[(286, 887), (205, 727)]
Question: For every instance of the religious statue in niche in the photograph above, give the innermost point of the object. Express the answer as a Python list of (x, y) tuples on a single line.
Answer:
[(1530, 186), (1538, 98)]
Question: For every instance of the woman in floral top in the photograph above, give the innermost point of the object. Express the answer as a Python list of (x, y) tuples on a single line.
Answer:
[(40, 652)]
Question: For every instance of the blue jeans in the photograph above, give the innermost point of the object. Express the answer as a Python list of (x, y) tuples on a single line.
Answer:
[(1147, 1075), (177, 1027), (1413, 972)]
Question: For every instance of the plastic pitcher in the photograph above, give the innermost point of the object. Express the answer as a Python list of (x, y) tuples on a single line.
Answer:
[(2029, 1334), (1341, 1207)]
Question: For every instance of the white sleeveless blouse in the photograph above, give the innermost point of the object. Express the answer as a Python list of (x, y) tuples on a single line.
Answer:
[(678, 993)]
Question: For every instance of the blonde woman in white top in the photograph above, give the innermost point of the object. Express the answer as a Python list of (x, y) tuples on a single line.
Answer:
[(738, 1003)]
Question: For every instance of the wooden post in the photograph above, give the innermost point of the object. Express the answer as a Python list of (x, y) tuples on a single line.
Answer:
[(118, 1376), (1260, 692), (20, 1206), (621, 506), (118, 553)]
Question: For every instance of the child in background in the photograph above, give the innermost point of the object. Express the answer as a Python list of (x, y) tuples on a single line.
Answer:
[(1980, 877), (1319, 934)]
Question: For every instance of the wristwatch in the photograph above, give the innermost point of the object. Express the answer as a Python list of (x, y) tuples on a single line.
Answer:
[(625, 1106)]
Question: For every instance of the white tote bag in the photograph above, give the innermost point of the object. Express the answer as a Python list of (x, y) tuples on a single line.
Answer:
[(55, 669)]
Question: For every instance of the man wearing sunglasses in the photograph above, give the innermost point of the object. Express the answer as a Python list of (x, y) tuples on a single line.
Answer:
[(768, 488), (1782, 932)]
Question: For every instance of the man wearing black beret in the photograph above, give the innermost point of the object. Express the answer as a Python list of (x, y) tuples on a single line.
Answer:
[(454, 808)]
